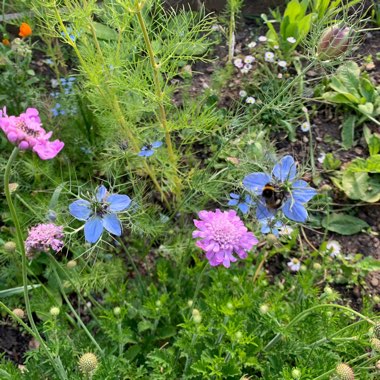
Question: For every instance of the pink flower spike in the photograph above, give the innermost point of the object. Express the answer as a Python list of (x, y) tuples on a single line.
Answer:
[(26, 132), (223, 234)]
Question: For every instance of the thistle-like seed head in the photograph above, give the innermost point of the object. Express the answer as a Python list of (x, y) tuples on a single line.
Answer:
[(375, 343), (10, 246), (345, 372), (334, 41), (88, 363), (19, 313)]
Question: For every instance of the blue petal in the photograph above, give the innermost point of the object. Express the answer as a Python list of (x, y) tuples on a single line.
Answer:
[(80, 209), (156, 144), (112, 224), (233, 202), (302, 192), (265, 229), (244, 208), (256, 181), (294, 210), (146, 153), (248, 200), (93, 229), (285, 170), (101, 193), (234, 196), (118, 202), (263, 212)]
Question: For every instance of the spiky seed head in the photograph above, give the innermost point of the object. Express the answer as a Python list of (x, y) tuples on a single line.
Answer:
[(375, 343), (296, 373), (345, 372), (71, 264), (19, 313), (376, 331), (88, 363), (10, 246), (54, 311)]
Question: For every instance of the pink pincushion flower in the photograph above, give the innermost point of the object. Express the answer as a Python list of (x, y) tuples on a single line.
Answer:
[(223, 234), (43, 237), (26, 132)]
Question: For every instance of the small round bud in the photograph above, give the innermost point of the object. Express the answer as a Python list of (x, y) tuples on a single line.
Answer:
[(264, 308), (376, 331), (329, 314), (376, 299), (238, 335), (328, 290), (296, 373), (88, 363), (344, 372), (271, 239), (19, 313), (325, 188), (190, 303), (377, 365), (71, 264), (197, 318), (116, 311), (195, 312), (235, 279), (375, 344), (334, 41), (317, 266), (54, 311), (303, 268), (230, 305), (10, 246), (158, 303)]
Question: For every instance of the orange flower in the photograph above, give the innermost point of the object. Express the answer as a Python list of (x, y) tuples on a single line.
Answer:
[(5, 42), (25, 30)]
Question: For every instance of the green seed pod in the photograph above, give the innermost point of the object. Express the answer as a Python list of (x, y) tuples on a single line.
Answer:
[(334, 41), (88, 363), (345, 372)]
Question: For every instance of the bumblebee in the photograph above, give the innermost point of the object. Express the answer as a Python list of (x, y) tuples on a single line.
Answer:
[(273, 196)]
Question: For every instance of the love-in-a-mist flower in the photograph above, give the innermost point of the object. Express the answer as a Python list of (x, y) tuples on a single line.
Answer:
[(148, 150), (43, 238), (294, 265), (295, 193), (269, 56), (26, 132), (223, 234), (242, 205), (100, 213)]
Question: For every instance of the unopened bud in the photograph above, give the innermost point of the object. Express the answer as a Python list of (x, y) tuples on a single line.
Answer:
[(377, 365), (376, 299), (271, 239), (10, 246), (325, 188), (334, 41), (317, 266), (375, 344), (296, 373), (328, 290), (116, 311), (376, 331), (88, 363), (190, 303), (71, 264), (264, 309), (54, 311), (19, 313), (197, 318), (345, 372)]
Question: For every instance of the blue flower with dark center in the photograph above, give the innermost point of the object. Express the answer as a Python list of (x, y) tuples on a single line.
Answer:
[(100, 213), (148, 150), (243, 206), (289, 193), (270, 225)]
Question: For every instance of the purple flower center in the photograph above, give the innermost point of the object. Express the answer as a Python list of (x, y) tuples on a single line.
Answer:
[(224, 232)]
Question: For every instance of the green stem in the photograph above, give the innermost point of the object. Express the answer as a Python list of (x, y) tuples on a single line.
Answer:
[(231, 39), (21, 247)]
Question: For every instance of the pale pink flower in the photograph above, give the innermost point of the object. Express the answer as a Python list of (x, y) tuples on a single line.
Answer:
[(294, 265), (221, 235), (26, 132)]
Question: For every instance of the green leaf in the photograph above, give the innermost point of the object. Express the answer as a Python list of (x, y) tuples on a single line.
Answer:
[(366, 108), (344, 224), (331, 163), (360, 186), (132, 352), (144, 325), (369, 264), (373, 141), (104, 32), (348, 131)]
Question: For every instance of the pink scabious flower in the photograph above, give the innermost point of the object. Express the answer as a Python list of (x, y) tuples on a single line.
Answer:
[(43, 237), (26, 132), (221, 235)]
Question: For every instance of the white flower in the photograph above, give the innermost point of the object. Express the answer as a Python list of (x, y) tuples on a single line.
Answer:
[(269, 56), (294, 265), (285, 231), (279, 76), (252, 44), (262, 39), (242, 93), (321, 157), (305, 127), (291, 40), (247, 66), (250, 100), (244, 70), (238, 62), (334, 248), (249, 59), (276, 47), (282, 63)]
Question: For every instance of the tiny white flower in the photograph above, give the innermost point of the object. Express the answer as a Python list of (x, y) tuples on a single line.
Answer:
[(238, 62), (279, 75), (294, 265), (321, 157), (305, 127), (291, 40), (250, 100), (252, 44), (242, 93), (249, 59), (269, 56), (54, 83), (244, 70), (285, 231), (248, 66), (276, 47), (282, 63), (262, 39), (334, 248)]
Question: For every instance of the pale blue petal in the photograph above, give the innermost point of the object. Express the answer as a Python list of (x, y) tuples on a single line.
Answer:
[(112, 224), (146, 152), (80, 209), (248, 200), (302, 192), (157, 144), (265, 229), (234, 196), (263, 212), (244, 208), (93, 229), (118, 202), (294, 210), (233, 202), (101, 193), (255, 182), (285, 170)]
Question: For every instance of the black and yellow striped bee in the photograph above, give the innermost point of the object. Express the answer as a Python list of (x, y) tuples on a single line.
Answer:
[(273, 195)]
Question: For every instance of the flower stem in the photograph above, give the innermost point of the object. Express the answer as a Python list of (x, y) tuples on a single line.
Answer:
[(21, 247)]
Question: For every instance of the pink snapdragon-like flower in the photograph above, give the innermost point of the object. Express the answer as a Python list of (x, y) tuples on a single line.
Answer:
[(43, 237), (221, 235), (26, 132)]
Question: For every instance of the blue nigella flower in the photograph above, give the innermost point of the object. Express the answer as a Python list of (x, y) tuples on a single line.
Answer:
[(295, 192), (243, 206), (100, 213), (148, 150), (270, 225)]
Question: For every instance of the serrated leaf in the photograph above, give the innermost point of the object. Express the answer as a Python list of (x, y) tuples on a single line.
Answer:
[(368, 264), (144, 325), (132, 352), (344, 224)]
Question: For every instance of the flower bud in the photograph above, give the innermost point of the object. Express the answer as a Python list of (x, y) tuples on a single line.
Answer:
[(10, 246), (88, 363), (376, 331), (71, 264), (116, 311), (19, 313), (334, 41), (375, 344), (264, 308), (271, 239), (296, 373), (345, 372), (197, 318), (190, 303), (377, 365), (317, 266), (54, 311)]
